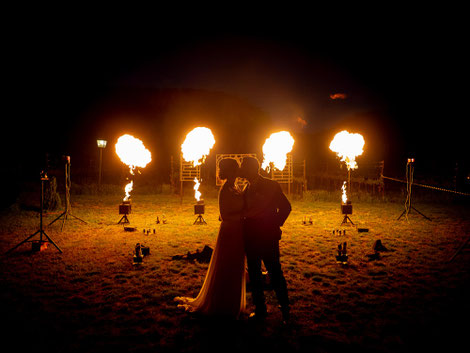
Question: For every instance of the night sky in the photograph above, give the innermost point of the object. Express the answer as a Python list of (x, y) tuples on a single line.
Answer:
[(399, 77)]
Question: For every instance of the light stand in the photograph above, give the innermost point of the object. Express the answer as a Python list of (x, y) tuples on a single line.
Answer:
[(409, 184), (68, 208), (101, 146), (41, 232)]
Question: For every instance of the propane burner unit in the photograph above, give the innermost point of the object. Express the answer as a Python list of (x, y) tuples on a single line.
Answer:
[(199, 209), (124, 209), (346, 209)]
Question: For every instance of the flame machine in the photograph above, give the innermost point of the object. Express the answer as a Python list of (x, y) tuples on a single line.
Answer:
[(124, 209), (346, 210), (346, 205), (194, 150), (199, 209), (347, 146), (132, 152)]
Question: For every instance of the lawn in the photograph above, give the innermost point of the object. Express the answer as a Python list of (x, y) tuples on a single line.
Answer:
[(91, 298)]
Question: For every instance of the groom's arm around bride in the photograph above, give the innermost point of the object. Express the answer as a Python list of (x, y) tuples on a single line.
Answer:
[(266, 206)]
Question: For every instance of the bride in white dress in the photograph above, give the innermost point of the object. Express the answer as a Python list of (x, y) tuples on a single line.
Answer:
[(224, 291)]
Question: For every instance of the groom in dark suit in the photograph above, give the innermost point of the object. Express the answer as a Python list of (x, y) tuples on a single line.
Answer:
[(266, 209)]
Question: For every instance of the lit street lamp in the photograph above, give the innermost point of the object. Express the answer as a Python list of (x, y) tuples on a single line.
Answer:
[(101, 146)]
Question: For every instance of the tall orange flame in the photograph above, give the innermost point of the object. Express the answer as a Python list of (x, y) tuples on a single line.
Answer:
[(347, 146), (197, 193), (127, 189), (196, 148), (344, 196), (132, 152)]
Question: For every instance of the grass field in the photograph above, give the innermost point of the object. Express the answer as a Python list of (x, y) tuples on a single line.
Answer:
[(91, 298)]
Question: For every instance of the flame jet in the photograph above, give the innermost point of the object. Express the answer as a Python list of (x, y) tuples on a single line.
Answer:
[(275, 150), (195, 149), (132, 152), (347, 146)]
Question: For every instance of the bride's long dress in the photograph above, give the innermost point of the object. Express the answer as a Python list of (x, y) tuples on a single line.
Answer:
[(224, 291)]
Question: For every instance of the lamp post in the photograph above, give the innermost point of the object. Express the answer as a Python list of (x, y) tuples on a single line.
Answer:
[(101, 146)]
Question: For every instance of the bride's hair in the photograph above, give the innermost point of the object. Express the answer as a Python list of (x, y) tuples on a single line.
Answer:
[(228, 167)]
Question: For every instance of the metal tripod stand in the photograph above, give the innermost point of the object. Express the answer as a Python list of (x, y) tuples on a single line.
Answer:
[(200, 220), (346, 219), (123, 219), (461, 247), (409, 184), (68, 208), (41, 231)]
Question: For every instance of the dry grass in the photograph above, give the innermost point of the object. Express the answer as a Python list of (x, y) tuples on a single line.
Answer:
[(91, 298)]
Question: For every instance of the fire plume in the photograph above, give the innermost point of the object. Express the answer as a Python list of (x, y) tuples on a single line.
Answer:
[(275, 150), (197, 193), (344, 196), (195, 149), (348, 146), (132, 152), (128, 188), (197, 145)]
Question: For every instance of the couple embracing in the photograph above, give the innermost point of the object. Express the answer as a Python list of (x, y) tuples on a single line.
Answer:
[(251, 221)]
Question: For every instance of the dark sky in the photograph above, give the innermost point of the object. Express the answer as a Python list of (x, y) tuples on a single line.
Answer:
[(403, 70)]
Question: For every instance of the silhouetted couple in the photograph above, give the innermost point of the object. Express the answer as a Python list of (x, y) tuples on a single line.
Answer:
[(251, 221)]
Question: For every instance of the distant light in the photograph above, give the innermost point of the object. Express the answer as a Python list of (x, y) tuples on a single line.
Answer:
[(101, 143), (335, 96)]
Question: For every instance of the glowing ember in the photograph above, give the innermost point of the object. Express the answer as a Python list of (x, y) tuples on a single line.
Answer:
[(348, 146), (197, 145), (195, 149), (275, 150), (344, 196), (132, 152), (197, 193)]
